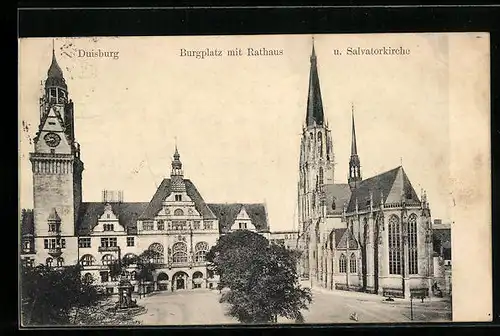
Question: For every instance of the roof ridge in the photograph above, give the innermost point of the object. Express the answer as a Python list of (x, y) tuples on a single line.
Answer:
[(385, 172)]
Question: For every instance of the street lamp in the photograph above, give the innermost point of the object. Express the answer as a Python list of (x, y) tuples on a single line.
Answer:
[(411, 307)]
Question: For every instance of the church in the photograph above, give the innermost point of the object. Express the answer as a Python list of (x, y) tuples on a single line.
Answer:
[(368, 234), (176, 222)]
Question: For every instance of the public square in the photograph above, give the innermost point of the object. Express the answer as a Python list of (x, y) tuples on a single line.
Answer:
[(202, 307)]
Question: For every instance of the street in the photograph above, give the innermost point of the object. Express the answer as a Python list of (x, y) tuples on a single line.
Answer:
[(202, 307)]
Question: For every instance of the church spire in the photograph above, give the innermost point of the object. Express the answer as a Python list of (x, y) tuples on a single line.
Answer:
[(315, 115), (354, 163)]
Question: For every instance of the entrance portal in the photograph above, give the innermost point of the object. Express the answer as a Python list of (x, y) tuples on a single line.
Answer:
[(180, 280)]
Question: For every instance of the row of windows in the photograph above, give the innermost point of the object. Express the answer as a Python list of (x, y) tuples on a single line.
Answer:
[(50, 262), (53, 243), (343, 264), (86, 242), (176, 225)]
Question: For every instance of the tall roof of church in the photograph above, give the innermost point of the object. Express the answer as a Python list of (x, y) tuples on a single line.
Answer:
[(393, 185), (336, 195), (314, 103), (165, 189), (226, 213)]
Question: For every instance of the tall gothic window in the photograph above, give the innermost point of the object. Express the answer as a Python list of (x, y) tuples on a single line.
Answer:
[(321, 176), (412, 244), (352, 264), (394, 245), (320, 145), (342, 264)]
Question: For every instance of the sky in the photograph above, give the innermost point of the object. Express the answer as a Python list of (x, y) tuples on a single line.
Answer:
[(237, 120)]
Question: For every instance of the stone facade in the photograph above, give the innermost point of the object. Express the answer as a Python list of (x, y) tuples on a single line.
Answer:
[(63, 230), (372, 235)]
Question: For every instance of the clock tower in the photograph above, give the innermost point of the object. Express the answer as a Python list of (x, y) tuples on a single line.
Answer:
[(57, 170)]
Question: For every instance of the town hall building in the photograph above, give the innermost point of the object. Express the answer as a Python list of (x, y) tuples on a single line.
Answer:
[(368, 234), (177, 223)]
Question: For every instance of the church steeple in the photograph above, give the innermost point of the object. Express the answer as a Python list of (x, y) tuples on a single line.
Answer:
[(354, 163), (315, 115)]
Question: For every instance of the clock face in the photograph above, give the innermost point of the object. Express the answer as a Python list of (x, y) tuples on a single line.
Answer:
[(52, 139)]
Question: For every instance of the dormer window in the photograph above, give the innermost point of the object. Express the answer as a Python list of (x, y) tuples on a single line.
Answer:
[(27, 245), (243, 226), (108, 216), (178, 212), (52, 227), (178, 198)]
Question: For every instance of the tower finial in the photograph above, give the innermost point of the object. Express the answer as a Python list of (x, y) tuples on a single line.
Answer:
[(354, 163)]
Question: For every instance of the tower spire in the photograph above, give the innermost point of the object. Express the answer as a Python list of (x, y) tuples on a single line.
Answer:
[(354, 163), (55, 77), (354, 147), (315, 115)]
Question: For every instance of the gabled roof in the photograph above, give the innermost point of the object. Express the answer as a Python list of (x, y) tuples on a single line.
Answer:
[(341, 236), (127, 214), (392, 184), (27, 222), (165, 189), (338, 193), (227, 212)]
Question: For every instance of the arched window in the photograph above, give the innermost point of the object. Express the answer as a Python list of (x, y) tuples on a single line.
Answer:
[(87, 260), (108, 259), (394, 245), (133, 275), (412, 244), (178, 212), (352, 264), (157, 250), (87, 278), (201, 250), (320, 145), (60, 261), (27, 245), (342, 264), (321, 176), (179, 255), (162, 277), (49, 261), (129, 258)]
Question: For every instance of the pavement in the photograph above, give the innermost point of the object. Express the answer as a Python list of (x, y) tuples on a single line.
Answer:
[(202, 307), (186, 307)]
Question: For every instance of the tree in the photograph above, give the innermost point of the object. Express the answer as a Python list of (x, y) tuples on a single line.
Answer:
[(50, 296), (262, 279), (143, 263)]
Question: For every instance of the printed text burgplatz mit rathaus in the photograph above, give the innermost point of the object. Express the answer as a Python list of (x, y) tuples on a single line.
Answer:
[(209, 52)]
